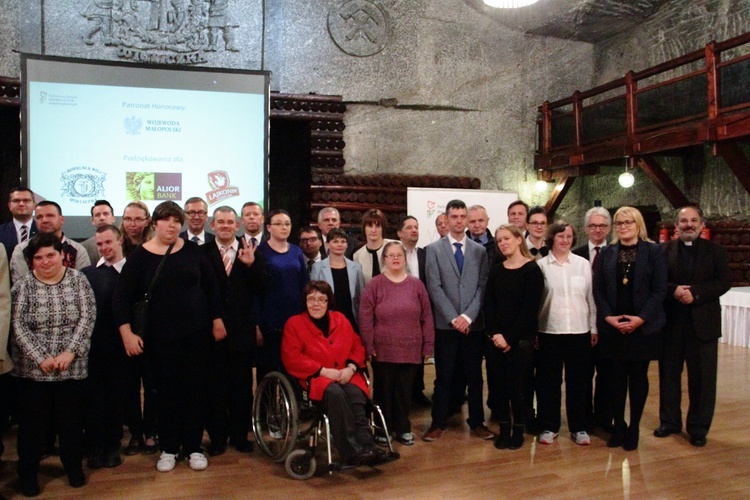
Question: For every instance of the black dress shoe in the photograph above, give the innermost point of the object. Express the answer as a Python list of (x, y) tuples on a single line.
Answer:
[(30, 487), (76, 478), (244, 446), (150, 449), (698, 440), (421, 400), (217, 449), (663, 431), (134, 447), (112, 458), (364, 457), (630, 442), (96, 459), (617, 438)]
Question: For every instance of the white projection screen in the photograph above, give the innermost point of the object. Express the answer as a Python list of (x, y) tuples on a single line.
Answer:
[(123, 132)]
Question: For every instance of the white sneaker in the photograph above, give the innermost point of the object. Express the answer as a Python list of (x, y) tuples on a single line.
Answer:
[(547, 437), (581, 437), (197, 461), (166, 462)]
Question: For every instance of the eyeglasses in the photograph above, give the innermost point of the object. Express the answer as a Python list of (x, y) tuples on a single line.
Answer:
[(537, 224), (21, 200), (624, 223), (394, 256), (312, 239), (282, 224), (316, 300), (598, 226), (193, 213), (130, 220)]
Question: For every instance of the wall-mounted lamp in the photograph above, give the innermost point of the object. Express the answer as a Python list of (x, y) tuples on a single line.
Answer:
[(541, 184), (626, 179)]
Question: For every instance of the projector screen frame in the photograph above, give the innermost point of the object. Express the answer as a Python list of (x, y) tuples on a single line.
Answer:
[(79, 228)]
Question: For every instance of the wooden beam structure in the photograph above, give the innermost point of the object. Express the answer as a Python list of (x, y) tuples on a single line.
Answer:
[(558, 193), (732, 154), (659, 177)]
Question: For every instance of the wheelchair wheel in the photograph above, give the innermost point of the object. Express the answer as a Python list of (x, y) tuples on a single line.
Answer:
[(300, 464), (275, 416)]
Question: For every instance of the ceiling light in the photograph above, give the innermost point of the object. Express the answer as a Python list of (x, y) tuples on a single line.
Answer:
[(626, 179), (509, 4)]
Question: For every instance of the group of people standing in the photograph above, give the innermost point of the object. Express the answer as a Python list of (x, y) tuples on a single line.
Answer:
[(186, 315)]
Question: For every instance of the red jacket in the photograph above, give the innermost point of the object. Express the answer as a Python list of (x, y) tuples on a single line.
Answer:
[(305, 351)]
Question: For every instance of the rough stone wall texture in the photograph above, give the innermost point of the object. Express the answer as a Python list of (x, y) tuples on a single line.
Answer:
[(9, 27), (680, 27)]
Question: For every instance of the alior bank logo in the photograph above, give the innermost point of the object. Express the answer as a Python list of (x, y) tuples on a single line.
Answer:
[(159, 186)]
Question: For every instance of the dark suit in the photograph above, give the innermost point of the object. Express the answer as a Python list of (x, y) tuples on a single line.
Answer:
[(597, 413), (231, 361), (453, 293), (9, 237), (629, 354), (493, 253), (692, 332), (209, 237)]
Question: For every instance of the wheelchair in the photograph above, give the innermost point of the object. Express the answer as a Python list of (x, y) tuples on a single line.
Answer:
[(284, 417)]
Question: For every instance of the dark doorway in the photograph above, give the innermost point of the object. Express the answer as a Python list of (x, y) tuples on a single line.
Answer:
[(289, 171), (10, 155)]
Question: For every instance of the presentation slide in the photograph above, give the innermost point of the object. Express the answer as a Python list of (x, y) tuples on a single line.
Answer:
[(125, 134)]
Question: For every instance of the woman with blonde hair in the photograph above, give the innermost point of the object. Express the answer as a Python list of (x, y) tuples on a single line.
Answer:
[(512, 298), (630, 284)]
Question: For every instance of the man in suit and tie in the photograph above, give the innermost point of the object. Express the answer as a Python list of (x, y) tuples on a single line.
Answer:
[(239, 271), (311, 243), (102, 214), (597, 224), (698, 274), (408, 233), (49, 219), (329, 218), (196, 211), (478, 231), (22, 227), (457, 270), (252, 220), (518, 211)]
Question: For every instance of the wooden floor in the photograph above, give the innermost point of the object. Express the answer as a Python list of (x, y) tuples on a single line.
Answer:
[(461, 466)]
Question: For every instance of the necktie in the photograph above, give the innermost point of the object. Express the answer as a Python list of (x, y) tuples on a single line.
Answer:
[(24, 233), (226, 258), (596, 256), (375, 262), (459, 257), (196, 240), (309, 266), (254, 241), (478, 240)]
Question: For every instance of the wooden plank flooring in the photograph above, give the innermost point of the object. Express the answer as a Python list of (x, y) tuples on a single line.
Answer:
[(461, 466)]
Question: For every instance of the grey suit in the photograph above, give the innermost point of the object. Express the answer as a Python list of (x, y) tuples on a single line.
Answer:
[(321, 271), (455, 293)]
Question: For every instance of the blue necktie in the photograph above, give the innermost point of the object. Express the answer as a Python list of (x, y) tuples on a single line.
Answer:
[(459, 257)]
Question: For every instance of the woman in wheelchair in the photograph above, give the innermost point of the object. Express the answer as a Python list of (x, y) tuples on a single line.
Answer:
[(319, 348)]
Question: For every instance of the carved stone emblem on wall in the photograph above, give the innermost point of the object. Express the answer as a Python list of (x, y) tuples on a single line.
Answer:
[(161, 31), (359, 27)]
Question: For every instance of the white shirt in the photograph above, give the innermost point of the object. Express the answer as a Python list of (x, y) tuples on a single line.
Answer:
[(412, 262), (18, 225), (117, 265), (592, 252), (231, 249), (568, 299), (249, 240), (201, 237)]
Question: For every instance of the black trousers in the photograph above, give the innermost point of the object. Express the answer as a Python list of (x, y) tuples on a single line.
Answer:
[(506, 373), (105, 400), (701, 359), (392, 392), (450, 347), (345, 406), (230, 394), (598, 410), (530, 386), (573, 353), (179, 369), (44, 406), (7, 402), (628, 378), (140, 419)]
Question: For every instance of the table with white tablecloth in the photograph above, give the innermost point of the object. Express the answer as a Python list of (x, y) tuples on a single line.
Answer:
[(735, 316)]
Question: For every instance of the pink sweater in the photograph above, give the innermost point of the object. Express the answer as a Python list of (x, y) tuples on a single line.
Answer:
[(395, 320)]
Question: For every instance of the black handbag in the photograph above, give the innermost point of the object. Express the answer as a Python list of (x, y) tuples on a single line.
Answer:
[(140, 308)]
